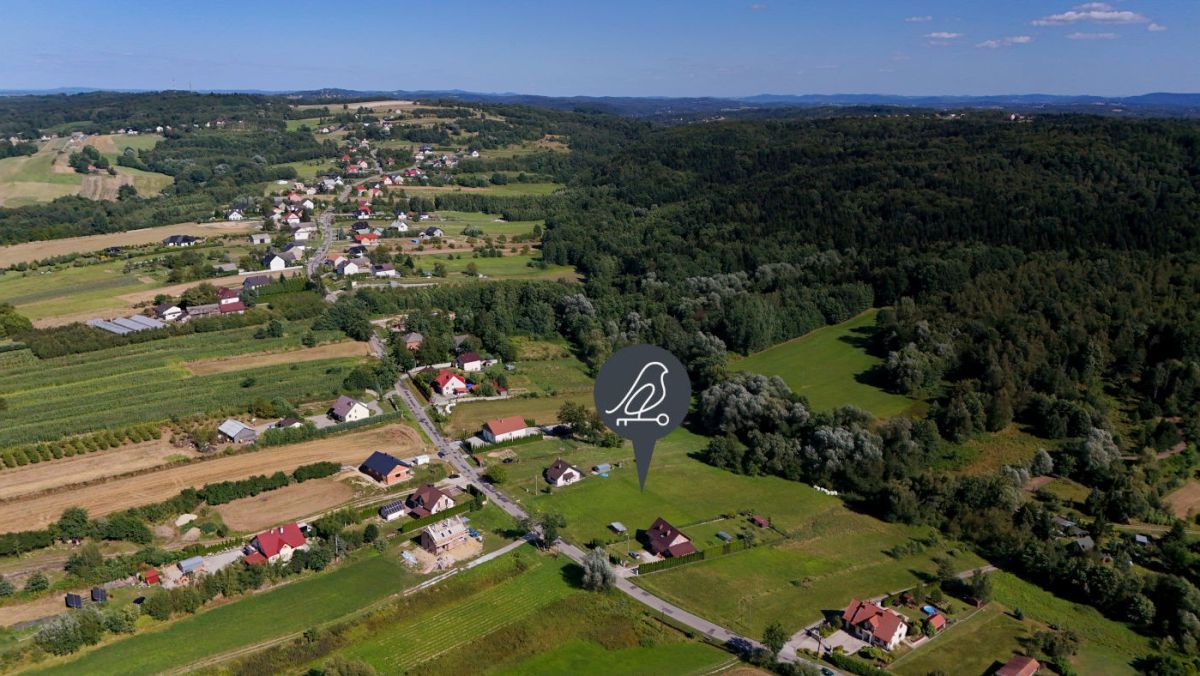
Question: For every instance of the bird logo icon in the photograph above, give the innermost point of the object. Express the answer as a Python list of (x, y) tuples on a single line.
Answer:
[(643, 396)]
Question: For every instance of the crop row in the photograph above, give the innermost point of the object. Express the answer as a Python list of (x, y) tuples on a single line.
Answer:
[(87, 443), (160, 394)]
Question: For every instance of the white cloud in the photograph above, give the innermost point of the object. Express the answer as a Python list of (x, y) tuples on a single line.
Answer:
[(758, 7), (1156, 27), (918, 19), (943, 35), (1005, 42), (1096, 12), (1091, 36)]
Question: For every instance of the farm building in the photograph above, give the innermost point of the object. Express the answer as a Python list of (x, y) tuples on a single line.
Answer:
[(506, 429), (760, 521), (204, 310), (168, 312), (191, 564), (937, 621), (150, 576), (260, 238), (602, 468), (393, 510), (288, 423), (74, 601), (561, 474), (428, 500), (1019, 665), (444, 535), (469, 362), (238, 432), (666, 540), (882, 627), (99, 595), (448, 382), (229, 300), (276, 544), (123, 326), (346, 409), (385, 469)]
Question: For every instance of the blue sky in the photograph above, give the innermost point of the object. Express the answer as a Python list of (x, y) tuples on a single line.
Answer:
[(616, 47)]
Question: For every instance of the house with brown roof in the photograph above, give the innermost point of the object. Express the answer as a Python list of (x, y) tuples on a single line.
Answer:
[(413, 340), (437, 538), (346, 409), (470, 361), (1019, 665), (428, 500), (882, 627), (663, 539), (506, 429), (561, 473)]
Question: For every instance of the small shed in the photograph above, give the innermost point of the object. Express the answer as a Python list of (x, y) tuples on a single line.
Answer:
[(393, 510), (99, 594), (617, 526), (724, 536), (760, 521), (150, 576), (191, 565), (74, 601), (602, 468)]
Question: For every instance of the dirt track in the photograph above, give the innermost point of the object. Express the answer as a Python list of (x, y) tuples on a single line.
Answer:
[(40, 511)]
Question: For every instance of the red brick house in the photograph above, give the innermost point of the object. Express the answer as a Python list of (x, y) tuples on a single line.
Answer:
[(449, 382)]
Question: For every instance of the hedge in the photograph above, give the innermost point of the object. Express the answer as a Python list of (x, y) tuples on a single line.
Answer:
[(671, 562), (854, 665), (13, 347), (77, 445)]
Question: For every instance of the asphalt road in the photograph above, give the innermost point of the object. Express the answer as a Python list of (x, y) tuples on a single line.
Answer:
[(454, 456)]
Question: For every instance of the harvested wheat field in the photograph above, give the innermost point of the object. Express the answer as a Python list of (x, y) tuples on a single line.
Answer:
[(31, 251), (122, 493), (350, 348), (45, 476), (1185, 501), (291, 503)]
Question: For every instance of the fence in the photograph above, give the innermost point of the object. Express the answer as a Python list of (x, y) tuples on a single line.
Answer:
[(710, 553)]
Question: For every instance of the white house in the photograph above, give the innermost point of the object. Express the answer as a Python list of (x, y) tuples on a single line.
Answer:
[(470, 362), (399, 225), (168, 312), (385, 270), (355, 266), (878, 626), (302, 234), (260, 238), (346, 409), (562, 474), (235, 215), (506, 429), (307, 204), (273, 262)]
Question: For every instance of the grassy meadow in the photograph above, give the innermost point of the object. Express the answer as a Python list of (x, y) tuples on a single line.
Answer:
[(830, 367)]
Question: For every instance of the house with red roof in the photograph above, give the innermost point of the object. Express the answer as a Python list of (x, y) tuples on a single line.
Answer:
[(667, 541), (882, 627), (506, 429), (276, 544), (1019, 665), (367, 238), (449, 383), (937, 621)]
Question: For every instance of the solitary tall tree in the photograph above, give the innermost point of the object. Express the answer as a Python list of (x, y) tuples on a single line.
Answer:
[(774, 637), (597, 574)]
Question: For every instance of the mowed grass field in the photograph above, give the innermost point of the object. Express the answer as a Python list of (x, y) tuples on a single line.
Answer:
[(509, 190), (288, 609), (555, 380), (148, 381), (993, 635), (828, 366), (830, 554), (508, 267), (454, 222)]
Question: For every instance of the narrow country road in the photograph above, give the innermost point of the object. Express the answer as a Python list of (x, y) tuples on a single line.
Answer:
[(452, 454)]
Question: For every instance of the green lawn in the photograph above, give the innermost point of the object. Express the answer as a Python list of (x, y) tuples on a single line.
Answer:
[(509, 266), (290, 608), (306, 170), (50, 293), (585, 657), (973, 646), (828, 366), (453, 222), (831, 553), (466, 419), (989, 452)]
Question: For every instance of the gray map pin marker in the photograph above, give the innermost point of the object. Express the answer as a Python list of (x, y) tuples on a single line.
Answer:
[(642, 393)]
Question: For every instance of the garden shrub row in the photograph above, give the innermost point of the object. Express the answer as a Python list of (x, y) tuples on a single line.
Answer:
[(79, 445)]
